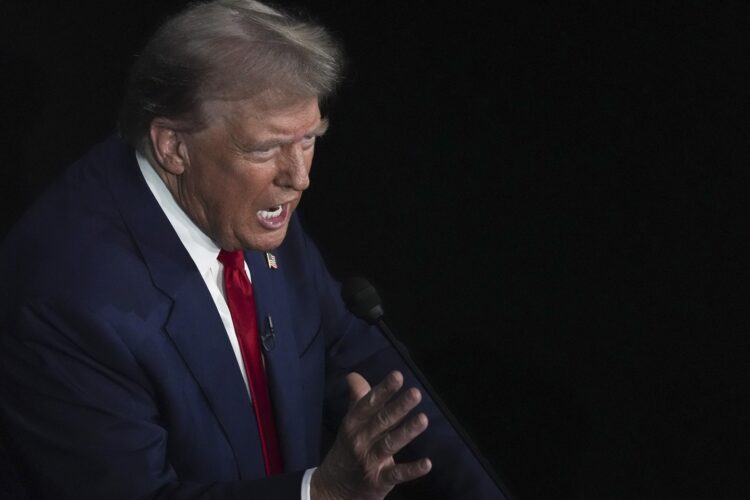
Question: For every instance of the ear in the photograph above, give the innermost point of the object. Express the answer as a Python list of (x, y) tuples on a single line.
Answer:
[(168, 146)]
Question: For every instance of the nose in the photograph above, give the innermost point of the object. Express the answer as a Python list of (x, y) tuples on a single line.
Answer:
[(296, 168)]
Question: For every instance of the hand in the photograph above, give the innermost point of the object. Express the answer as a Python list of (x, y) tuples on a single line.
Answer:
[(360, 463)]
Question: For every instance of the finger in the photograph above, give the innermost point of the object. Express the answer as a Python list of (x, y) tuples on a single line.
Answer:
[(392, 442), (373, 401), (401, 473), (358, 386), (394, 412)]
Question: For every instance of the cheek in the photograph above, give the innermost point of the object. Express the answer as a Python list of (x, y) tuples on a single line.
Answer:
[(250, 191)]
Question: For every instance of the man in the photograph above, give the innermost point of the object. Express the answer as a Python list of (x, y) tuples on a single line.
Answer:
[(168, 329)]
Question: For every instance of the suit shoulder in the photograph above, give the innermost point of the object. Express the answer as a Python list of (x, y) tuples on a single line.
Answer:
[(73, 240)]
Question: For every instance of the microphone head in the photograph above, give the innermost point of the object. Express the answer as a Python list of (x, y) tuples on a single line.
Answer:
[(362, 299)]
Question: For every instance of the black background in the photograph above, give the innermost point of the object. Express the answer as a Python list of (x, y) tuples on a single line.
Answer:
[(549, 196)]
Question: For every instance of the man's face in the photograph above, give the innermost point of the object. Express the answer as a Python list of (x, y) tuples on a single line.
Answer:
[(245, 172)]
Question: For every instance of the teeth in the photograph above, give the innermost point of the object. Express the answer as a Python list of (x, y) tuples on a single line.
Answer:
[(270, 214)]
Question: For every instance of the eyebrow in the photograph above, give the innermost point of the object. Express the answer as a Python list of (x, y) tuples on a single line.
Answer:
[(322, 128), (318, 131)]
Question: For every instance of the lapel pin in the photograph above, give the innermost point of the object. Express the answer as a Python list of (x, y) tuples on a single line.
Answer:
[(271, 259)]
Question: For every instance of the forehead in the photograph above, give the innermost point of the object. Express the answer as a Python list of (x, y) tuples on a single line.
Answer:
[(263, 115)]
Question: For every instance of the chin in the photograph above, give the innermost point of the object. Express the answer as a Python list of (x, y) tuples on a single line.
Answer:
[(267, 244)]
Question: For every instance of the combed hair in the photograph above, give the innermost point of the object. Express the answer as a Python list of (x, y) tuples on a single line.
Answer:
[(225, 49)]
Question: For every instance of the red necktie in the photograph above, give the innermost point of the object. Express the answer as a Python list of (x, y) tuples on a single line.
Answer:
[(241, 303)]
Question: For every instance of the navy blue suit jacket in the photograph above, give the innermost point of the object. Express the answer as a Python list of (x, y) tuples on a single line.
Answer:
[(116, 375)]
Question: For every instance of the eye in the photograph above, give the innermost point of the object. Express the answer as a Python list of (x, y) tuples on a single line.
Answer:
[(308, 141), (263, 154)]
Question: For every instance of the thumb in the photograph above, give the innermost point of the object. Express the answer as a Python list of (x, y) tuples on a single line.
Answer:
[(358, 386)]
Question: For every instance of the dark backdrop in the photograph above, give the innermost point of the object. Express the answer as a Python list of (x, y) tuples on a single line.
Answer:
[(550, 199)]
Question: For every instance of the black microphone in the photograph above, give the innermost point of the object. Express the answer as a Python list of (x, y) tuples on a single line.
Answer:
[(363, 301)]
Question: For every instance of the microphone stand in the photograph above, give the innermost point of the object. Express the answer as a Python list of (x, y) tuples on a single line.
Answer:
[(364, 302), (388, 334)]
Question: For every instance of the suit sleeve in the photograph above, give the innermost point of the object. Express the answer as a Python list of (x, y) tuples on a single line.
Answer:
[(81, 417), (352, 345)]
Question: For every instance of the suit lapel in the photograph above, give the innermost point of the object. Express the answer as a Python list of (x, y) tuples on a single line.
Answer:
[(282, 361), (203, 343), (194, 324)]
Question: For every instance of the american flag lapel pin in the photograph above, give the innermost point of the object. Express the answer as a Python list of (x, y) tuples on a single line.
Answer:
[(271, 259)]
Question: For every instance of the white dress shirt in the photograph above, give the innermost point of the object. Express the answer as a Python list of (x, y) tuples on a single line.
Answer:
[(204, 252)]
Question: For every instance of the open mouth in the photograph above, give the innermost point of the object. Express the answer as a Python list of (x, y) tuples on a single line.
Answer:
[(273, 217), (271, 213)]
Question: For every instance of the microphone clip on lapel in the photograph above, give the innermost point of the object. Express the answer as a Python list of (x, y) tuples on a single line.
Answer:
[(268, 336)]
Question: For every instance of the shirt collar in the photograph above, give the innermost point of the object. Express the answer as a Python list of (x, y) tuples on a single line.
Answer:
[(202, 249)]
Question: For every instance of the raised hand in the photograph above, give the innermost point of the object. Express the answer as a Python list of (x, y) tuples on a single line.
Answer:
[(360, 464)]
